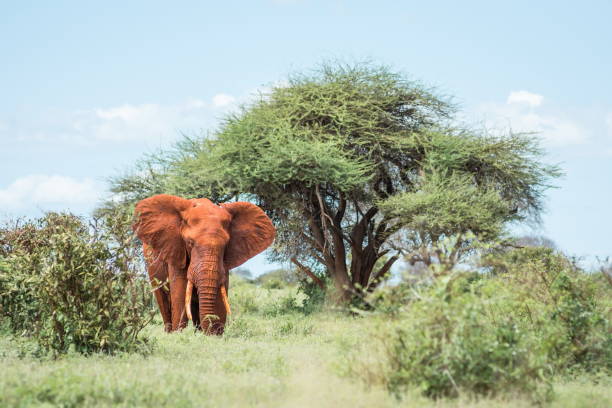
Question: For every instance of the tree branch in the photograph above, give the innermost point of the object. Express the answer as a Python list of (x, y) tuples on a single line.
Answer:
[(308, 272), (382, 272)]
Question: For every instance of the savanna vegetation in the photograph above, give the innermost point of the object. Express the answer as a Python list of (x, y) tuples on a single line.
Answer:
[(72, 285), (469, 340), (359, 169), (348, 161)]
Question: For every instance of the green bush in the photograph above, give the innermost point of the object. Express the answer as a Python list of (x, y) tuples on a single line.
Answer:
[(534, 316), (273, 284), (72, 286), (285, 302), (566, 305), (315, 296), (247, 300), (454, 343), (22, 246), (18, 307)]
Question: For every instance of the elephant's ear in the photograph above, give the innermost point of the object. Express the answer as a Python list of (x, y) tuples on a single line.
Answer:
[(251, 231), (158, 224)]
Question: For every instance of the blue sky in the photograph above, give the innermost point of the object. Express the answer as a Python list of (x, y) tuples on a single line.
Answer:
[(87, 89)]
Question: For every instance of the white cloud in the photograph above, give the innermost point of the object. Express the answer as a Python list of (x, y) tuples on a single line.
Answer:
[(121, 123), (144, 122), (128, 112), (195, 104), (524, 97), (221, 100), (40, 190), (522, 113)]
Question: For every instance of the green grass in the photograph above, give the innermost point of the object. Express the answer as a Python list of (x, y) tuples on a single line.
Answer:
[(269, 357)]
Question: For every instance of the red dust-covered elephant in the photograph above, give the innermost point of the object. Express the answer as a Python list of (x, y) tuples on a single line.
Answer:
[(193, 244)]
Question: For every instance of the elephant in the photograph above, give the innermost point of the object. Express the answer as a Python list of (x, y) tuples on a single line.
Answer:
[(192, 244)]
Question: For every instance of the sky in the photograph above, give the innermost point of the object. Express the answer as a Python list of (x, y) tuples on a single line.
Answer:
[(88, 88)]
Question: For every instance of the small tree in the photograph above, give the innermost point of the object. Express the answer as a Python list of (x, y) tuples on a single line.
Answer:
[(346, 158)]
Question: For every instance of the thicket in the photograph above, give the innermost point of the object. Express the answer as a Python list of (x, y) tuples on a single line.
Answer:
[(73, 285), (527, 315)]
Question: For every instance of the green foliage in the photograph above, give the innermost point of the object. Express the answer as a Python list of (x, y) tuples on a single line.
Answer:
[(446, 203), (21, 245), (18, 306), (267, 299), (566, 304), (295, 358), (470, 344), (73, 287), (315, 296), (535, 315)]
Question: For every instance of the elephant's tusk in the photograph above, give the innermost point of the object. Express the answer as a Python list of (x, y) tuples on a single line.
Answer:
[(188, 293), (225, 299)]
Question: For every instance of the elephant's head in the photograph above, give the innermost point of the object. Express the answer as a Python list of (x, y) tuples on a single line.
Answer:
[(206, 239)]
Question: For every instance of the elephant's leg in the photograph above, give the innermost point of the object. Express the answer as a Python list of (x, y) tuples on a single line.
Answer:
[(158, 274), (163, 301), (178, 285)]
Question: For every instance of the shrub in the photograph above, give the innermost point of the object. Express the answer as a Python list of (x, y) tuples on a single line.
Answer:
[(22, 245), (285, 302), (73, 286), (534, 316), (563, 303), (246, 300), (465, 343), (18, 307), (273, 284), (315, 296)]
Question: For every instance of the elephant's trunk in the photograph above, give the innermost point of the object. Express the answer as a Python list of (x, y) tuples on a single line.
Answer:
[(207, 279), (209, 316)]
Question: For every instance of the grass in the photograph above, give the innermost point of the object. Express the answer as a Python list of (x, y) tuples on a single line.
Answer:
[(270, 356)]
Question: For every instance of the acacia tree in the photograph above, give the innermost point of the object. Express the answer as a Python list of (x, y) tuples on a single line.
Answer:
[(345, 158)]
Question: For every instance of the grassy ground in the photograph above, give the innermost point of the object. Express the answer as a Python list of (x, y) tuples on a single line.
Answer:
[(269, 357)]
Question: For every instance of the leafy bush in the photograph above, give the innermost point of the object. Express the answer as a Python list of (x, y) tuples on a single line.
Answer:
[(269, 300), (22, 245), (534, 316), (73, 286), (284, 303), (18, 306), (562, 302), (465, 343)]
